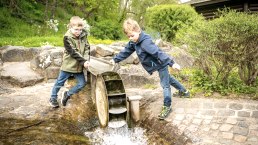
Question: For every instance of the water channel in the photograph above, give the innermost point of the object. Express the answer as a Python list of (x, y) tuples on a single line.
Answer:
[(75, 124)]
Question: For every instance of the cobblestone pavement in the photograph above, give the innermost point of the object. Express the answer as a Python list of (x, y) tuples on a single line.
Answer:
[(210, 121)]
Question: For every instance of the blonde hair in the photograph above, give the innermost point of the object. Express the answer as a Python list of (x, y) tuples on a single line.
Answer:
[(131, 25), (76, 21)]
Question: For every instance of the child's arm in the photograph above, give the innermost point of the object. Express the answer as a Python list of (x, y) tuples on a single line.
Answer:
[(74, 54), (126, 52), (86, 54)]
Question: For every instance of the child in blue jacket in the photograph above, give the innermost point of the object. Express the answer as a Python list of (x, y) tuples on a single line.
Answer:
[(152, 59)]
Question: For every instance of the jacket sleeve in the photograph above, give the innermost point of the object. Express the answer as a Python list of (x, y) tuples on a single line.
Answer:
[(126, 52), (152, 49), (86, 54), (70, 49)]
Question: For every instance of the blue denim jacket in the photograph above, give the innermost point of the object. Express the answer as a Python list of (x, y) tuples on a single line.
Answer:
[(150, 55)]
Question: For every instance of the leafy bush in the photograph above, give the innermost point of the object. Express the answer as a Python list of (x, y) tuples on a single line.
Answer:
[(107, 29), (197, 82), (168, 19), (226, 43)]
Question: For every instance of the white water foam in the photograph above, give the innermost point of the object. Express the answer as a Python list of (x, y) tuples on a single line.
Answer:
[(117, 136)]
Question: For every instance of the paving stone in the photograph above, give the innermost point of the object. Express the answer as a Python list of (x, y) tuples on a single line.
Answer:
[(253, 132), (186, 122), (219, 120), (176, 122), (231, 120), (225, 127), (206, 121), (207, 117), (181, 128), (257, 107), (206, 129), (197, 121), (208, 112), (196, 105), (192, 128), (243, 124), (241, 119), (252, 139), (253, 126), (226, 113), (243, 114), (255, 114), (179, 117), (207, 105), (240, 138), (179, 110), (215, 133), (191, 111), (184, 104), (240, 130), (236, 106), (225, 141), (249, 107), (227, 135), (220, 105), (189, 117), (214, 126)]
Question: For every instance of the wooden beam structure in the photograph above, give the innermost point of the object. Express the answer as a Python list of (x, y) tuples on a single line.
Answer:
[(208, 8)]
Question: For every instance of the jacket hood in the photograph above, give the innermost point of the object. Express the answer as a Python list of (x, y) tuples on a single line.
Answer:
[(142, 37), (70, 34)]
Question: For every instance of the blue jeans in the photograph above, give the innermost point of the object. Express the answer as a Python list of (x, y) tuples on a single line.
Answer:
[(166, 80), (63, 76)]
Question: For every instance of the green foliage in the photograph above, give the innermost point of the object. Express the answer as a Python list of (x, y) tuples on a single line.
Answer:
[(199, 82), (168, 19), (36, 41), (138, 8), (107, 29), (224, 44)]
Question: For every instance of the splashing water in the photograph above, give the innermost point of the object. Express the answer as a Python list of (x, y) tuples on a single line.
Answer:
[(117, 136)]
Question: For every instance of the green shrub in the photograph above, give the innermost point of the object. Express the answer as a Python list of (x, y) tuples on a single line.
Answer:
[(168, 19), (196, 81), (224, 44), (107, 29)]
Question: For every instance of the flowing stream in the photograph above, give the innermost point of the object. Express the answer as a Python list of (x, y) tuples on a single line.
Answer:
[(117, 136)]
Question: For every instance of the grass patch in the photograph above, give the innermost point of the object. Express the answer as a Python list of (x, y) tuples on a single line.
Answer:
[(37, 41)]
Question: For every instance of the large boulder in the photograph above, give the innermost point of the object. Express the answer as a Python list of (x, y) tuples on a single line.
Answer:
[(182, 57), (20, 74), (18, 53), (48, 62)]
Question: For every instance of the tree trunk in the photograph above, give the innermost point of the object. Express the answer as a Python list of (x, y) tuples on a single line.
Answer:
[(123, 9), (53, 9), (46, 11)]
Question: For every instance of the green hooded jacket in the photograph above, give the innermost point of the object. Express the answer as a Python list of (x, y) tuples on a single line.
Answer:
[(76, 52)]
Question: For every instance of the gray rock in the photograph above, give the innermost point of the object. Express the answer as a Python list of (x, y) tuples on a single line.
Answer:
[(20, 74), (17, 54), (182, 57), (132, 59), (104, 50), (120, 43), (52, 72)]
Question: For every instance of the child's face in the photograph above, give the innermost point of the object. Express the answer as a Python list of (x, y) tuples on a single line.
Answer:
[(133, 36), (76, 30)]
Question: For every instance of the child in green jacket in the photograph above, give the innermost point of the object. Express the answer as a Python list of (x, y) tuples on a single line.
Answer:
[(75, 58)]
